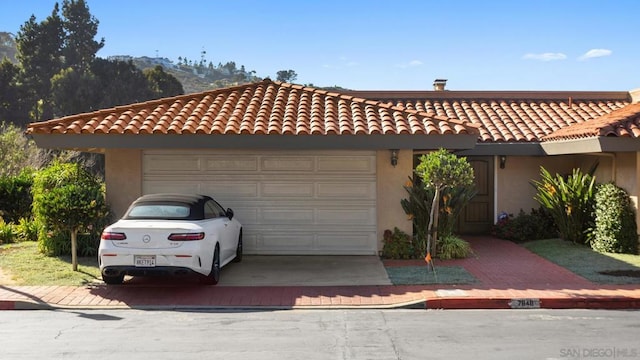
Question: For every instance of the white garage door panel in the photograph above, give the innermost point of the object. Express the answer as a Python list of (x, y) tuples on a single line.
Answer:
[(346, 217), (271, 189), (291, 163), (171, 164), (304, 203), (235, 164), (185, 187)]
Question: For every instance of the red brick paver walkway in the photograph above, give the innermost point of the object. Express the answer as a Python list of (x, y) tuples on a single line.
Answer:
[(505, 271)]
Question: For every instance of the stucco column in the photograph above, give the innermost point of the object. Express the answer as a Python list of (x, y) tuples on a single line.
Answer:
[(123, 178), (390, 181)]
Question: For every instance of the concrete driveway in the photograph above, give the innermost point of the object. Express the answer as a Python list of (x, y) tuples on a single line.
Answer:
[(305, 271)]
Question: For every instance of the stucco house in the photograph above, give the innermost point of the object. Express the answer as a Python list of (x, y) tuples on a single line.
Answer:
[(310, 171)]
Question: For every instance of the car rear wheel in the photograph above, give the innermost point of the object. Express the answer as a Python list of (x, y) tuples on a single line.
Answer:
[(214, 275), (239, 249), (113, 280)]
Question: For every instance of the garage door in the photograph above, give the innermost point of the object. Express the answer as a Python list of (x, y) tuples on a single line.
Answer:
[(294, 202)]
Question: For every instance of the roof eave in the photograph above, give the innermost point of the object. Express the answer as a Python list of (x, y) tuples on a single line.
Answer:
[(591, 145), (84, 142), (504, 148)]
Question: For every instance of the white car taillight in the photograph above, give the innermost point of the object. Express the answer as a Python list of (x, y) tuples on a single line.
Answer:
[(186, 236), (113, 236)]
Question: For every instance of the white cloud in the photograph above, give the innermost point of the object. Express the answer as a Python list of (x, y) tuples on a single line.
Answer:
[(595, 53), (412, 63), (342, 62), (545, 56)]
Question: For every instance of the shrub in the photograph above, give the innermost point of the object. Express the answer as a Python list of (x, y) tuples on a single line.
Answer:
[(8, 233), (16, 151), (440, 170), (15, 196), (56, 243), (418, 208), (398, 245), (453, 200), (534, 226), (28, 229), (452, 247), (615, 223), (69, 201), (569, 201)]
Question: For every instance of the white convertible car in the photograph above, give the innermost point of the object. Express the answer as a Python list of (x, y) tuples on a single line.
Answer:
[(170, 234)]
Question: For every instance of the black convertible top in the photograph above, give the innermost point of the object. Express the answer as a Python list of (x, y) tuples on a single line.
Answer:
[(193, 201)]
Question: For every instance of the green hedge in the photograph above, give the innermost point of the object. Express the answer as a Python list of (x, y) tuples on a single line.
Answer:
[(66, 198), (615, 222), (15, 197)]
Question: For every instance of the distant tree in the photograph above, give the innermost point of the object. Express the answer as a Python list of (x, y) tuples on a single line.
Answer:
[(121, 82), (163, 84), (74, 91), (80, 28), (13, 108), (8, 47), (286, 76), (40, 55)]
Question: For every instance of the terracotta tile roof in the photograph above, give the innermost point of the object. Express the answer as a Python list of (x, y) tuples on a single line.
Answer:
[(508, 116), (266, 107), (623, 122)]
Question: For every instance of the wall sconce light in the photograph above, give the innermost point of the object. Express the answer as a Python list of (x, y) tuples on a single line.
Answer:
[(503, 161), (394, 157)]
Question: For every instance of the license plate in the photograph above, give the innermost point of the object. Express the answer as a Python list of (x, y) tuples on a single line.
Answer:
[(145, 260)]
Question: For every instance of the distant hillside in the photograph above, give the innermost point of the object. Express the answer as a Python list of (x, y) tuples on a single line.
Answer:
[(196, 77)]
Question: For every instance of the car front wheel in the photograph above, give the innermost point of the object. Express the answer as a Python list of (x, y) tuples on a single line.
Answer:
[(214, 275)]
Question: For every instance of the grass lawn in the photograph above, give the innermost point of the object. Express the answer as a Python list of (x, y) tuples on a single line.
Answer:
[(588, 263), (27, 266), (422, 275)]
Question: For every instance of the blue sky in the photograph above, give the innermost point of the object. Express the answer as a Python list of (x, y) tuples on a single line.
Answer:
[(375, 45)]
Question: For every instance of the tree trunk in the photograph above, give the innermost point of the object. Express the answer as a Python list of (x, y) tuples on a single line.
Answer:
[(436, 216), (74, 249), (433, 214)]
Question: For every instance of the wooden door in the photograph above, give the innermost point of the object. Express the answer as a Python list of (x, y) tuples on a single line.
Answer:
[(477, 217)]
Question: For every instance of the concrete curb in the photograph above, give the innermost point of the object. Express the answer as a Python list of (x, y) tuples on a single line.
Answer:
[(23, 305), (535, 303), (611, 303)]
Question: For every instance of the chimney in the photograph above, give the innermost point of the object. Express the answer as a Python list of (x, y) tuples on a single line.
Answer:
[(439, 84)]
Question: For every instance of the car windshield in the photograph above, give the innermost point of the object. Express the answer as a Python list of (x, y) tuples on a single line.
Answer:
[(155, 211)]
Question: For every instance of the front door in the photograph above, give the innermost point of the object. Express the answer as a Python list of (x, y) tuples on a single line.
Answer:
[(477, 217)]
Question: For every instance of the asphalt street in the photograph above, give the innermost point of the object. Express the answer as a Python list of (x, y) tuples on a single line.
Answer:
[(320, 334)]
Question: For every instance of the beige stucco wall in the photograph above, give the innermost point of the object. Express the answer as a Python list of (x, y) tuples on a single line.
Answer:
[(123, 177), (513, 189), (390, 181), (626, 172), (515, 193), (627, 175)]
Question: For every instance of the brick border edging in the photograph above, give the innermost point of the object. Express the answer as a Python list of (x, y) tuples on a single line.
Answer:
[(544, 303)]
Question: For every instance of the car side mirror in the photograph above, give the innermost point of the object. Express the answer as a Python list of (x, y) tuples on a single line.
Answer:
[(230, 213)]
